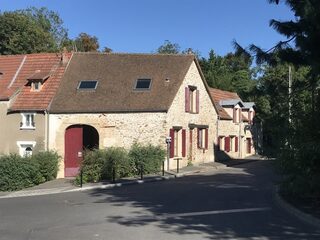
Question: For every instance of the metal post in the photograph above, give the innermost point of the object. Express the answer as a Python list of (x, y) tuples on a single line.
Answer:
[(141, 171), (113, 174), (168, 155), (163, 168), (81, 177), (178, 165)]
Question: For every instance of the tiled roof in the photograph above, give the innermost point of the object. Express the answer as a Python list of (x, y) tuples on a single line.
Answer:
[(116, 75), (9, 66), (23, 68), (219, 95)]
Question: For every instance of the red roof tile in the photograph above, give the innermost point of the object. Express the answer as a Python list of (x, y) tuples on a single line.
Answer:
[(218, 95), (30, 64)]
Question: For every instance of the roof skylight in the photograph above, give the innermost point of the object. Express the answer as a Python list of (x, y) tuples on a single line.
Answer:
[(87, 85)]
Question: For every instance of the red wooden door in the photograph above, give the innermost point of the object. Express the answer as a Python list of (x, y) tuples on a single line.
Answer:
[(73, 150)]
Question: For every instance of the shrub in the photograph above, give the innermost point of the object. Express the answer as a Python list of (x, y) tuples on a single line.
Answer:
[(48, 164), (98, 165), (117, 160), (17, 173), (91, 165), (149, 157)]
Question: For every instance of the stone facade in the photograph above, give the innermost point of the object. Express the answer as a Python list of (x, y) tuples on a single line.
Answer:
[(123, 129)]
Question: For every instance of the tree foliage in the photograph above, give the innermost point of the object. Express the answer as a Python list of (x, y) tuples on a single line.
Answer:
[(295, 141), (86, 43), (231, 72), (31, 31), (169, 48)]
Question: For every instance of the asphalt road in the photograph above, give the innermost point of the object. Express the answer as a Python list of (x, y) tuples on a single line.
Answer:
[(234, 203)]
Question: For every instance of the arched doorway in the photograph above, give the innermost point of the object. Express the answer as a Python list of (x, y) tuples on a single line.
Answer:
[(78, 138)]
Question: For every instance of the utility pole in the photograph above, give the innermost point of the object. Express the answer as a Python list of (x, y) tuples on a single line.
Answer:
[(290, 93)]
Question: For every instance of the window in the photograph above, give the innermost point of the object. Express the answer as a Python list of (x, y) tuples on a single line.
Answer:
[(178, 142), (87, 85), (191, 99), (143, 84), (26, 148), (27, 121), (36, 86), (203, 138), (250, 116), (236, 115)]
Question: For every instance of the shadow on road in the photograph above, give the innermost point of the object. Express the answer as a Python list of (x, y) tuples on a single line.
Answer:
[(230, 204)]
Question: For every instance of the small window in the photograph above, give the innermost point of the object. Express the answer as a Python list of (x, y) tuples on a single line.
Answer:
[(36, 86), (27, 121), (26, 148), (203, 138), (143, 84), (88, 85)]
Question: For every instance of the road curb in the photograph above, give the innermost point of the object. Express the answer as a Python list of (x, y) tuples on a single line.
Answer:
[(42, 192), (305, 217)]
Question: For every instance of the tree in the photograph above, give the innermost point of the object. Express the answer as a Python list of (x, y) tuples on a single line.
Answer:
[(86, 43), (30, 31), (231, 73), (298, 139), (169, 48)]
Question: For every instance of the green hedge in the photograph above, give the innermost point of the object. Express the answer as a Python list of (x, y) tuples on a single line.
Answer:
[(148, 157), (99, 165), (48, 164), (18, 172)]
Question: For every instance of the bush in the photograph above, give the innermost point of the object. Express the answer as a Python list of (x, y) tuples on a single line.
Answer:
[(117, 160), (91, 165), (149, 157), (48, 164), (17, 173), (98, 165)]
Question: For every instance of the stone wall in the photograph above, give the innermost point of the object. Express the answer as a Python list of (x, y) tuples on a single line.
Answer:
[(120, 130), (206, 116)]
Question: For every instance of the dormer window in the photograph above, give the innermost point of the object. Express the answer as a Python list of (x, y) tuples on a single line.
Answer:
[(143, 84), (236, 114), (37, 79), (36, 86)]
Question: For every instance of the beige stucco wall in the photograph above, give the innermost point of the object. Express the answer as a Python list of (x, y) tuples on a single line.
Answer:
[(10, 131), (121, 129), (207, 116)]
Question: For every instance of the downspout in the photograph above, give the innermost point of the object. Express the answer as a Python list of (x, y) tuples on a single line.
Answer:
[(46, 130), (239, 139)]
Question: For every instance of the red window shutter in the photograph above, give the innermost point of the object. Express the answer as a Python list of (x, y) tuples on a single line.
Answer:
[(206, 138), (183, 142), (198, 137), (197, 101), (172, 143), (236, 144), (227, 144), (187, 100)]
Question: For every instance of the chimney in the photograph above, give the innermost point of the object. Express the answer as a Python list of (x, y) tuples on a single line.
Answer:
[(64, 56)]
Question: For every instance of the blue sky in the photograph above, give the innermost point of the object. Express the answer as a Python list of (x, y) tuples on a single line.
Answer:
[(143, 25)]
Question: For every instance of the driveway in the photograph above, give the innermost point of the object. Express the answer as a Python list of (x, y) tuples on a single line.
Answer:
[(231, 203)]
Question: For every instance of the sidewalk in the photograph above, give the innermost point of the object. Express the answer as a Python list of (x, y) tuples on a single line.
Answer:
[(66, 185)]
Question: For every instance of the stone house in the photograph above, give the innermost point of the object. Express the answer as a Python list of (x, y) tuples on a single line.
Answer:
[(27, 86), (109, 100), (236, 134)]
